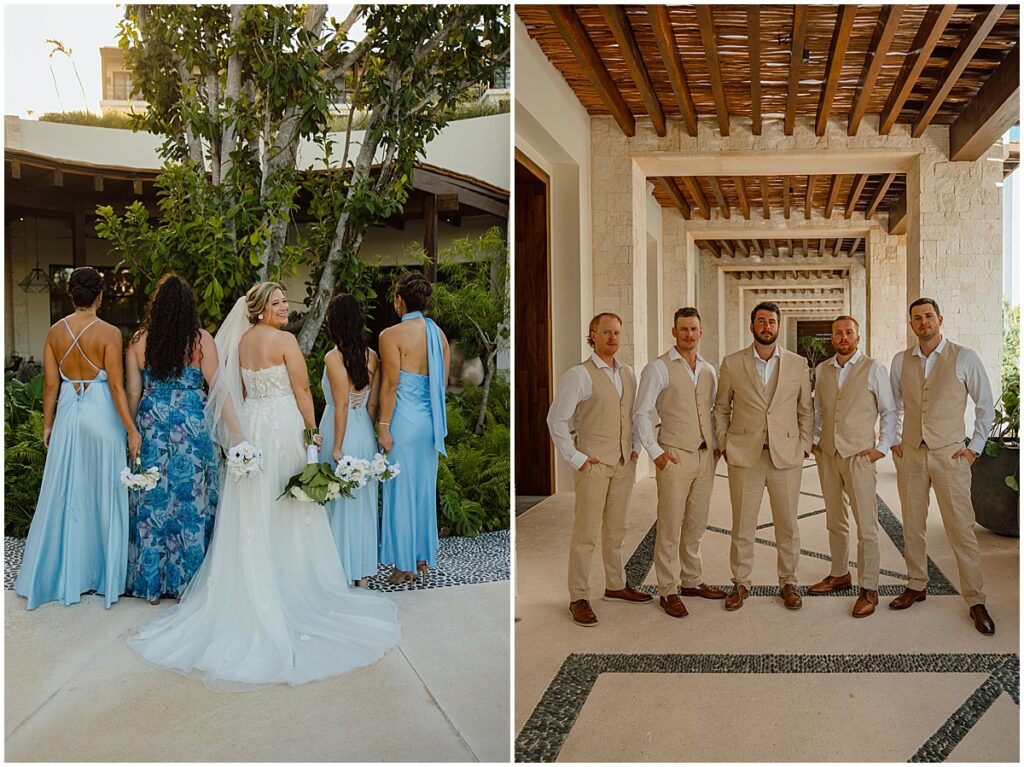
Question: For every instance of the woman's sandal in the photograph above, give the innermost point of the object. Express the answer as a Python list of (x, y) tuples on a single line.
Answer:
[(398, 577)]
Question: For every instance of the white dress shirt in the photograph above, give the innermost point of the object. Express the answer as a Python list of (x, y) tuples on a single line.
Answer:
[(574, 387), (653, 381), (765, 367), (878, 384), (970, 372)]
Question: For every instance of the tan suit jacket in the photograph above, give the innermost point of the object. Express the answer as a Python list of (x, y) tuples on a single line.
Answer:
[(748, 414)]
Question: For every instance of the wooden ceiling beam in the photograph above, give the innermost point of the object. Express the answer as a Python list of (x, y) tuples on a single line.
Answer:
[(834, 68), (876, 198), (716, 189), (706, 21), (741, 248), (669, 185), (821, 247), (809, 197), (796, 57), (766, 210), (972, 40), (623, 33), (713, 247), (789, 244), (741, 192), (885, 31), (856, 190), (757, 246), (785, 196), (661, 22), (697, 194), (898, 215), (806, 250), (575, 36), (928, 34), (854, 246), (754, 51), (833, 194), (990, 113), (727, 248), (775, 248)]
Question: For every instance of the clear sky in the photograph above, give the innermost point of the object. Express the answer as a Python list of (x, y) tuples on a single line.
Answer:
[(35, 82)]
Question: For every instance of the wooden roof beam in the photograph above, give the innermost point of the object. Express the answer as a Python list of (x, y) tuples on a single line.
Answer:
[(741, 192), (876, 198), (723, 204), (706, 21), (833, 195), (834, 68), (765, 207), (991, 112), (785, 196), (898, 215), (661, 22), (856, 190), (697, 194), (575, 36), (713, 247), (670, 186), (972, 40), (885, 31), (928, 34), (754, 50), (796, 57), (623, 32), (727, 248), (854, 247), (809, 197), (821, 247)]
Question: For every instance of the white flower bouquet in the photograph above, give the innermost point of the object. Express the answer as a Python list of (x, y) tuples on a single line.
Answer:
[(140, 480), (316, 483), (383, 470), (354, 472), (244, 459)]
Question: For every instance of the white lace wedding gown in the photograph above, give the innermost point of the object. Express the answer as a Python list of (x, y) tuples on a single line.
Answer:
[(271, 602)]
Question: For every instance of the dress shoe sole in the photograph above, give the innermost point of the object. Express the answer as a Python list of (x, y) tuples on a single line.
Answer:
[(733, 608), (578, 623), (908, 605), (689, 593), (628, 601), (862, 615), (793, 607)]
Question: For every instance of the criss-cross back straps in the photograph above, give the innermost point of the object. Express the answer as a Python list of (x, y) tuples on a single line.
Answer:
[(358, 399), (74, 344)]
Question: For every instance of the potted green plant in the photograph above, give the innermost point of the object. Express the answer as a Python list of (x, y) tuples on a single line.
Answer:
[(995, 482)]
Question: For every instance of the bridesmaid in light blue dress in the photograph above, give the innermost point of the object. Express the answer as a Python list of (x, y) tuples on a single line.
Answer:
[(350, 377), (78, 540), (412, 428)]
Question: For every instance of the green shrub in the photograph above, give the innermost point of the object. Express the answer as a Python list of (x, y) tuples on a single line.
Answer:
[(24, 454), (107, 120)]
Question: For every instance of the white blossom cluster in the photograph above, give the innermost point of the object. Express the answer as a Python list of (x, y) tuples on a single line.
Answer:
[(144, 480), (244, 459)]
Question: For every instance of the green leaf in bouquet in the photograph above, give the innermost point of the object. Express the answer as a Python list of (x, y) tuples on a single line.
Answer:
[(309, 472)]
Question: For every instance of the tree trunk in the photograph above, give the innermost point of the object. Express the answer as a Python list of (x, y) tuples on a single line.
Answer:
[(492, 360)]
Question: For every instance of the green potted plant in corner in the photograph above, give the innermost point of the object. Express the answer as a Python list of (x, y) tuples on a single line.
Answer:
[(995, 481)]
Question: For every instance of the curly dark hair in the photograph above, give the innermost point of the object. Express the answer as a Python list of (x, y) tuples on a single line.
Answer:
[(84, 285), (415, 290), (172, 323), (347, 326)]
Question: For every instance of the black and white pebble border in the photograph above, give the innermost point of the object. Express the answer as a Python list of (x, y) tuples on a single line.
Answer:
[(545, 731), (460, 561)]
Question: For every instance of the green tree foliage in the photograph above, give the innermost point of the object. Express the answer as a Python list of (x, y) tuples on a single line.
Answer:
[(234, 90), (24, 454)]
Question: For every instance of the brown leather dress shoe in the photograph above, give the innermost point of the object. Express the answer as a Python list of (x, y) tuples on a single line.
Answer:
[(627, 594), (735, 600), (982, 620), (790, 597), (673, 605), (581, 613), (906, 599), (830, 584), (865, 604), (702, 590)]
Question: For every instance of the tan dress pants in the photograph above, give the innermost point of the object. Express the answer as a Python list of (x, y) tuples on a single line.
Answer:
[(856, 474), (684, 499), (746, 489), (918, 470), (602, 498)]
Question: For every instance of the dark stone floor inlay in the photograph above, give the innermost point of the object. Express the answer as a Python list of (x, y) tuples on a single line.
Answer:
[(544, 733)]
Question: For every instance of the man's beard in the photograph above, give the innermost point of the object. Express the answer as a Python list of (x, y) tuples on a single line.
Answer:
[(769, 342)]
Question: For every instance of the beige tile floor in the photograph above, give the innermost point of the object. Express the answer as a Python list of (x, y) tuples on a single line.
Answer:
[(661, 714), (74, 692)]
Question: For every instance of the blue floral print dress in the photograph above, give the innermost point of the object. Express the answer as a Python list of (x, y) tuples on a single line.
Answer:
[(170, 526)]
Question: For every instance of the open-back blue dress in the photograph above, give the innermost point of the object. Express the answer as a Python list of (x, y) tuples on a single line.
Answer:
[(78, 540)]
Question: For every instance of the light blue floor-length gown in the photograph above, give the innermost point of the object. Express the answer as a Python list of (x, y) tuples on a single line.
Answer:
[(78, 540), (418, 425), (353, 520)]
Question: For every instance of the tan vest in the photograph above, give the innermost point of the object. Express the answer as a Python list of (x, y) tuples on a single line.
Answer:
[(685, 409), (933, 408), (604, 421), (848, 414)]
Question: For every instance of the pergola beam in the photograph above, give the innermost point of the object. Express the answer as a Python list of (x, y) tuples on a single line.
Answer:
[(706, 21), (856, 190), (741, 192), (785, 196), (885, 31), (754, 51), (575, 36), (623, 33), (991, 112), (876, 198), (898, 215), (669, 185), (765, 208), (836, 56), (661, 22), (809, 197), (796, 55), (716, 189), (693, 187), (833, 195)]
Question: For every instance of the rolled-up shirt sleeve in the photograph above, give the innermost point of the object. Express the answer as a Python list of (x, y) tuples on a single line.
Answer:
[(652, 383), (572, 389), (972, 373), (881, 387)]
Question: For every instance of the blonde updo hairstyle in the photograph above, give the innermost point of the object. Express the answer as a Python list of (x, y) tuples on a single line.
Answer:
[(257, 298)]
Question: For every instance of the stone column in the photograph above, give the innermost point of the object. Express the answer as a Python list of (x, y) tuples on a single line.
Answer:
[(856, 296)]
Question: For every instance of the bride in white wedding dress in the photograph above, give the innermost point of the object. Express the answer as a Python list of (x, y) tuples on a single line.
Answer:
[(271, 602)]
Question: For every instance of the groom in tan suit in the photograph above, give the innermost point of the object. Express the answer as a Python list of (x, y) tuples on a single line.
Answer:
[(764, 421)]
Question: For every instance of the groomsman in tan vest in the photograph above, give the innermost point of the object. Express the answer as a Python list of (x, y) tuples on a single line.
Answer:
[(597, 396), (851, 393), (931, 381), (764, 422), (680, 385)]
